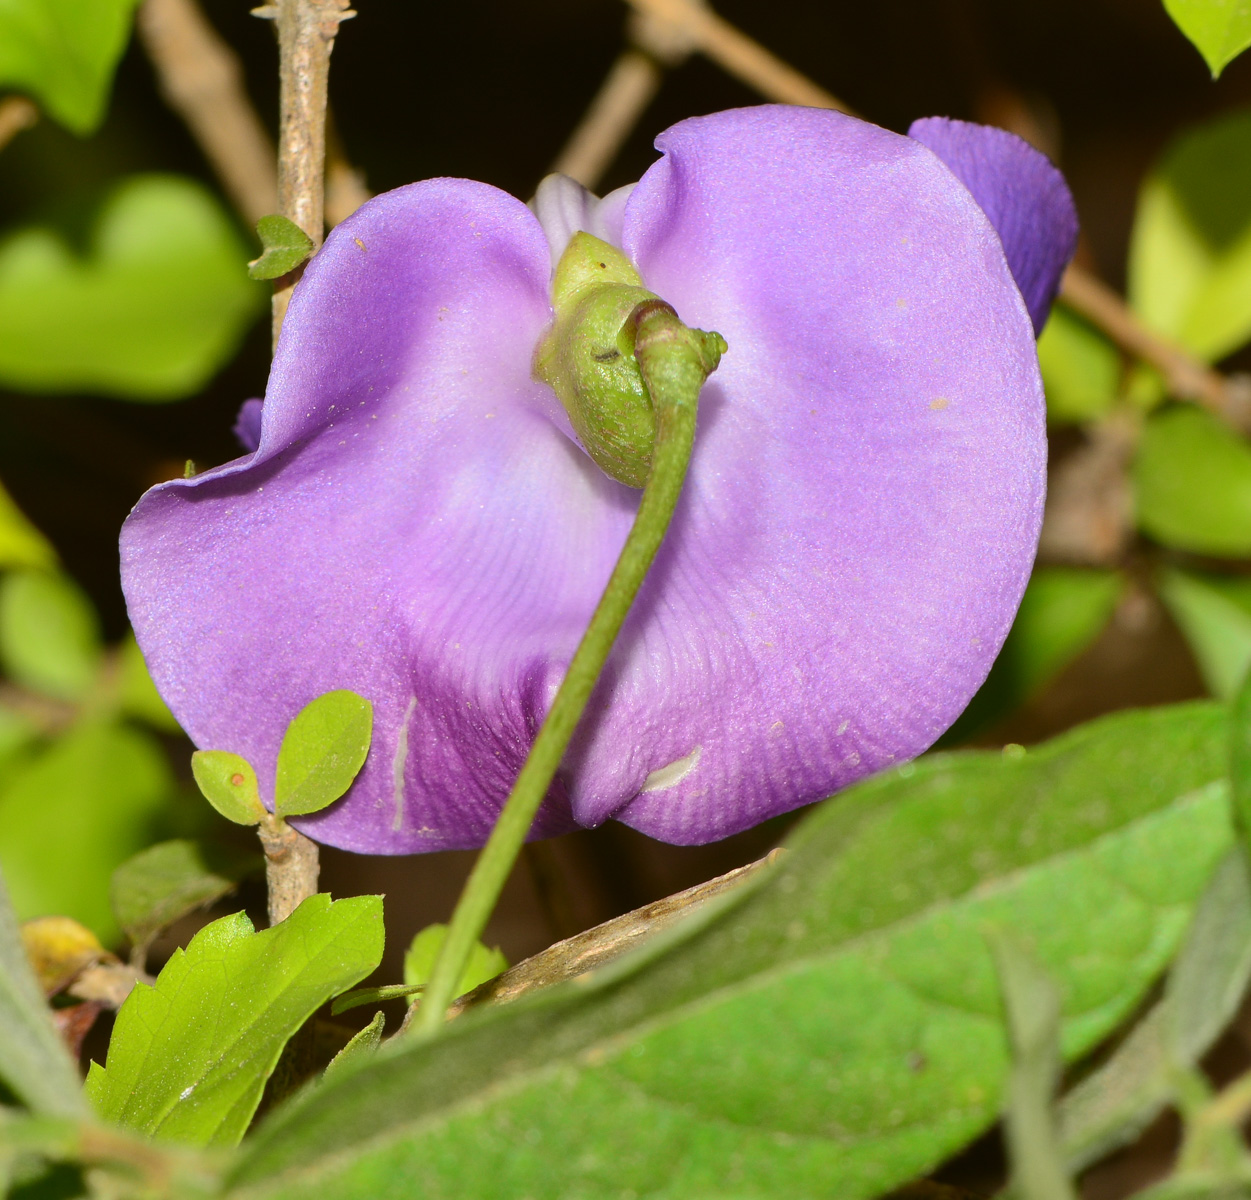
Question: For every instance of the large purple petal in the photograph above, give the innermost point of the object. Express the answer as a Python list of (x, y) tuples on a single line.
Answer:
[(1025, 197), (415, 526), (418, 525)]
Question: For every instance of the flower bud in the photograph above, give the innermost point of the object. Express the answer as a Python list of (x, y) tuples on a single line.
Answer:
[(587, 357)]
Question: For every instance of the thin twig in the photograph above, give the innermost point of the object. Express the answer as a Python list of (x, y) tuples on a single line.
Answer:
[(292, 867), (1186, 376), (623, 97), (738, 54), (306, 33), (16, 113), (202, 81)]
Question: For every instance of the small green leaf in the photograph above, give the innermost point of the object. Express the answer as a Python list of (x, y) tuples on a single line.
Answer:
[(483, 964), (1214, 614), (1240, 760), (1192, 483), (21, 544), (189, 1057), (1081, 369), (833, 1027), (136, 693), (34, 1064), (157, 306), (167, 881), (49, 635), (63, 52), (1190, 249), (321, 752), (229, 785), (72, 813), (285, 244), (360, 1049), (1219, 29), (1032, 1007)]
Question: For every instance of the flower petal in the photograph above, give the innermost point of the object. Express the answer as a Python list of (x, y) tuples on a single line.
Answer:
[(866, 493), (1025, 197), (247, 428), (416, 526)]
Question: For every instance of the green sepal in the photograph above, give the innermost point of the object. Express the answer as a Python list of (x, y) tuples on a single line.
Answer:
[(285, 246), (323, 749), (229, 785)]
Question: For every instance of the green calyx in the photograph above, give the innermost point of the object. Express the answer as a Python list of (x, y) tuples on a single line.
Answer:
[(589, 358)]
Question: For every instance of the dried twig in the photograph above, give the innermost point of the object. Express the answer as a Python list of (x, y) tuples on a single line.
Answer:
[(1187, 377), (627, 90), (306, 33), (16, 113), (202, 80), (738, 54), (575, 957)]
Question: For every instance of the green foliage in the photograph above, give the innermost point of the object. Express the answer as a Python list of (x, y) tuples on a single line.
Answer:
[(229, 785), (21, 544), (1062, 612), (1190, 250), (189, 1057), (73, 812), (158, 305), (33, 1063), (63, 53), (49, 635), (285, 246), (136, 693), (1192, 483), (1219, 29), (1214, 614), (833, 1028), (321, 752), (1081, 369), (360, 1049), (167, 881), (1032, 1008), (483, 964)]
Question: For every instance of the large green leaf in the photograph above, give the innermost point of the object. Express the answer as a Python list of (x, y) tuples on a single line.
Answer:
[(1192, 483), (159, 304), (72, 813), (49, 634), (831, 1030), (189, 1057), (34, 1065), (1190, 250), (1081, 369), (63, 53), (1214, 614), (1219, 29)]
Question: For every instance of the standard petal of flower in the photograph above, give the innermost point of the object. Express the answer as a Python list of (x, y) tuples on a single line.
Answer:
[(416, 526), (867, 485), (1024, 196)]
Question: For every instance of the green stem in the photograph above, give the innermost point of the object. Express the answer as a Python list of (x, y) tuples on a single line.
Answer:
[(674, 362)]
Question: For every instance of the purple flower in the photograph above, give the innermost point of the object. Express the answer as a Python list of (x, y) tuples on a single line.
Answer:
[(418, 524)]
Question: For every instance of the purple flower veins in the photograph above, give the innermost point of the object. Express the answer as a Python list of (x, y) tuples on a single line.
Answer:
[(417, 522)]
